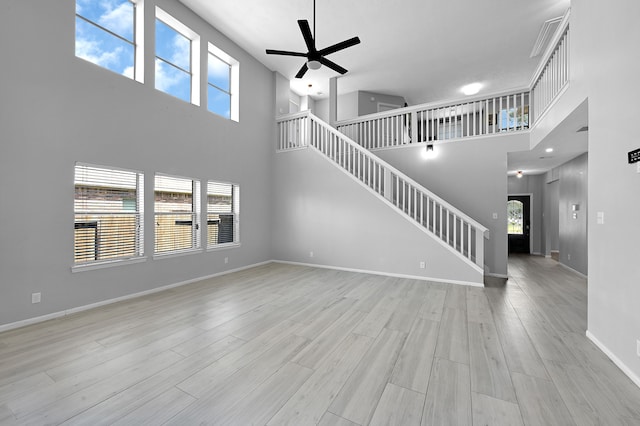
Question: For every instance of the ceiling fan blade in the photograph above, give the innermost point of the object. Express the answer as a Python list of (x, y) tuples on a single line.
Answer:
[(285, 52), (302, 71), (337, 68), (306, 33), (339, 46)]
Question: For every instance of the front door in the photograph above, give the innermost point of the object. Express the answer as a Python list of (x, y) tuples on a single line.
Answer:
[(519, 223)]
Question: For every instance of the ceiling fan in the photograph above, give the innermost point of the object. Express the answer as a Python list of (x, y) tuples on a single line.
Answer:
[(316, 58)]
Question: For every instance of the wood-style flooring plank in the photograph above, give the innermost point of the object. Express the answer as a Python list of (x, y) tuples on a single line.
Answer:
[(398, 407), (133, 398), (330, 419), (494, 412), (157, 410), (453, 341), (433, 305), (265, 400), (413, 367), (519, 351), (544, 405), (329, 339), (228, 390), (310, 402), (359, 396), (448, 400), (489, 372), (478, 308)]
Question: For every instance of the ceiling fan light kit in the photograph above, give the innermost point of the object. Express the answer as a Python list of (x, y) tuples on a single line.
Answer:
[(316, 58)]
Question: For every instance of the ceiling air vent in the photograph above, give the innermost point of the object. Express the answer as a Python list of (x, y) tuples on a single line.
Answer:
[(583, 129), (544, 37)]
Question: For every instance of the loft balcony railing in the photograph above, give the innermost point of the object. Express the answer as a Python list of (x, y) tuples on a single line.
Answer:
[(440, 121), (451, 227), (500, 113)]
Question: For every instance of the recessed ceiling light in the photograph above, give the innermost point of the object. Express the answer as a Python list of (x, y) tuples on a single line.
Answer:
[(548, 150), (471, 89)]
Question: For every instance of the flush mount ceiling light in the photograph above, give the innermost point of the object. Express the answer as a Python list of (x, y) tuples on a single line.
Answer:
[(471, 89), (548, 150), (519, 174)]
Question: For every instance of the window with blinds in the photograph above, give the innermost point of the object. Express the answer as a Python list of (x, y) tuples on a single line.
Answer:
[(223, 207), (109, 210), (177, 214)]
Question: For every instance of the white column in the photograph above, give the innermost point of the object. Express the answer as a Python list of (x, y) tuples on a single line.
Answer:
[(333, 101)]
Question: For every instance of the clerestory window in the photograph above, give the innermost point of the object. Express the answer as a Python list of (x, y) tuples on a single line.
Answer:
[(110, 34)]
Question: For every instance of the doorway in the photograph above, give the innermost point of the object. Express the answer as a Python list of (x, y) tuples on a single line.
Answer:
[(519, 223)]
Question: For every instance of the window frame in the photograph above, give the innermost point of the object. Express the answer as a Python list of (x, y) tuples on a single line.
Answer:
[(234, 80), (196, 229), (194, 54), (235, 212), (137, 43), (139, 214)]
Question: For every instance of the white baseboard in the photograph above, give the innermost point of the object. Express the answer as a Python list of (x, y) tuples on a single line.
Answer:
[(386, 274), (573, 270), (30, 321), (621, 365)]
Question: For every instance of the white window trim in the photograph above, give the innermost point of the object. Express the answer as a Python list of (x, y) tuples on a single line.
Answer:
[(122, 261), (236, 217), (196, 209), (139, 40), (107, 264), (195, 50), (234, 84)]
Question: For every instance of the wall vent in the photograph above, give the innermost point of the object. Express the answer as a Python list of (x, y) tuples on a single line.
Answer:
[(547, 31)]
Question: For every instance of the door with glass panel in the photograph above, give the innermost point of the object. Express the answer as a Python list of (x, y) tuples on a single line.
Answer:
[(519, 223)]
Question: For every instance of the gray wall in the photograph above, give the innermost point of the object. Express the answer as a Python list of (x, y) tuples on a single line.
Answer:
[(57, 109), (368, 101), (534, 185), (551, 220), (356, 104), (323, 210), (471, 175), (611, 73), (573, 224)]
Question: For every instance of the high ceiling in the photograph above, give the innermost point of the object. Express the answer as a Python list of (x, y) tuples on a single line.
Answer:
[(422, 50)]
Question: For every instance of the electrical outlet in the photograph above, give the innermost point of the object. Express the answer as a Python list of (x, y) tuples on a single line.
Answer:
[(36, 297), (569, 256), (310, 254), (423, 265), (638, 347), (226, 260)]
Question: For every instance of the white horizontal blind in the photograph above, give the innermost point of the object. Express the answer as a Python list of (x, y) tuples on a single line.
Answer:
[(223, 204), (108, 210), (177, 218)]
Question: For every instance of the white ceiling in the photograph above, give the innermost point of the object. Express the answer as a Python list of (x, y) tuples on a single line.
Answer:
[(423, 50), (565, 140)]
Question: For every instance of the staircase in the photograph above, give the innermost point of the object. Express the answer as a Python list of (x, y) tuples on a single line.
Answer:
[(460, 234)]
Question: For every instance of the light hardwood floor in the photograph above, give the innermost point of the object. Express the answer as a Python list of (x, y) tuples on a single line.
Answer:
[(290, 345)]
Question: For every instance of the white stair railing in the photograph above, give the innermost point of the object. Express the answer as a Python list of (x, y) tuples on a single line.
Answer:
[(452, 228), (553, 74)]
